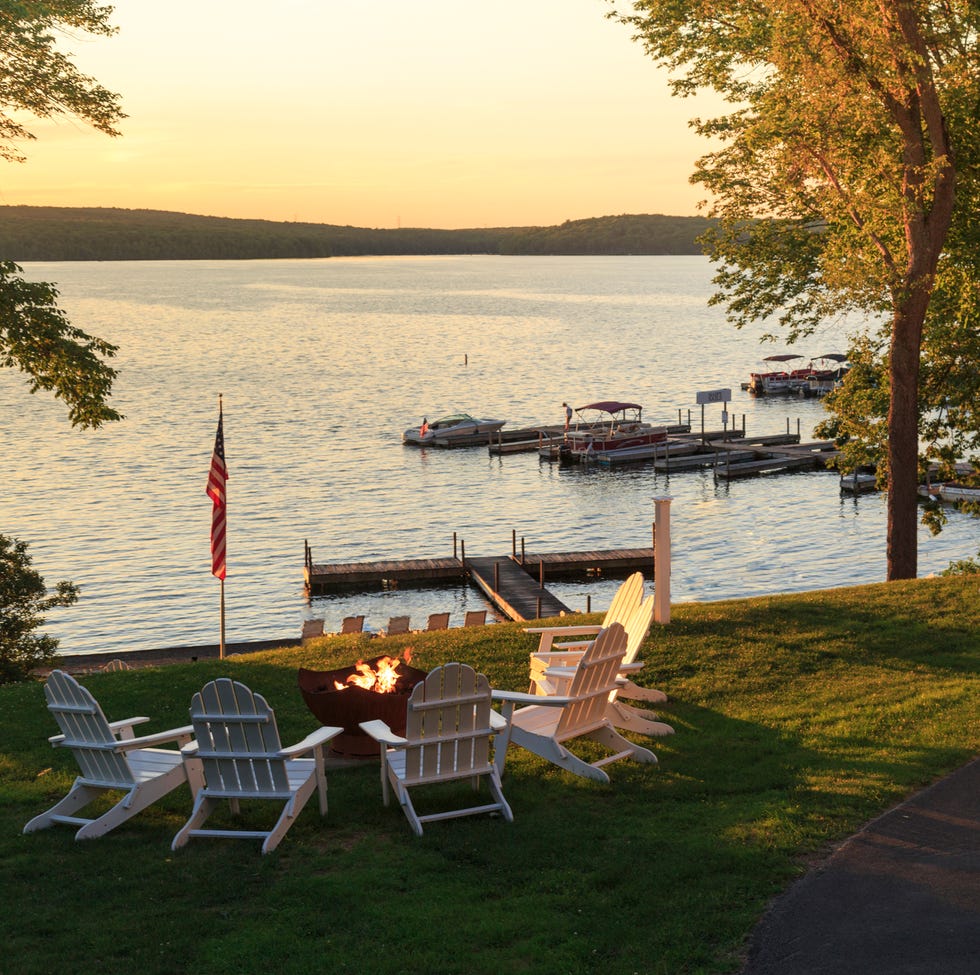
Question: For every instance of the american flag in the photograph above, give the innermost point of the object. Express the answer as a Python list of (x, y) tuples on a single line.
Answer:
[(216, 492)]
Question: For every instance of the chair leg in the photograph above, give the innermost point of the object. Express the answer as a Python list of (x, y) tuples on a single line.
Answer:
[(634, 692), (79, 796), (549, 749), (203, 807), (288, 816), (632, 719), (406, 803), (612, 739)]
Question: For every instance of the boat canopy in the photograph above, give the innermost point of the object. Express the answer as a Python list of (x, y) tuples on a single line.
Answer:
[(609, 406), (782, 357), (833, 357)]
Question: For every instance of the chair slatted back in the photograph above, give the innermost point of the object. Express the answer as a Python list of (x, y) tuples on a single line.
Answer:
[(448, 725), (627, 597), (475, 617), (398, 624), (438, 621), (238, 741), (637, 627), (352, 624), (86, 732), (594, 680), (311, 629)]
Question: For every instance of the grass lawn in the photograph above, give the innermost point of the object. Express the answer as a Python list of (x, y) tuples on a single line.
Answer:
[(798, 718)]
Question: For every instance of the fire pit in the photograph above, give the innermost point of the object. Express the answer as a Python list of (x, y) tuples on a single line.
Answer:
[(370, 689)]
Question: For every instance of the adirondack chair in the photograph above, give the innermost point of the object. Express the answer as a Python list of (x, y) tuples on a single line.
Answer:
[(110, 757), (352, 624), (475, 617), (437, 621), (398, 624), (447, 737), (626, 598), (547, 722), (552, 672), (311, 630), (237, 743)]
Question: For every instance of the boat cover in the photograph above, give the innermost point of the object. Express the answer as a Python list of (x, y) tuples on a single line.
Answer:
[(609, 406)]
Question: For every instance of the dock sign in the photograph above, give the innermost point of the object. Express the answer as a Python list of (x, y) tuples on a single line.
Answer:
[(714, 396)]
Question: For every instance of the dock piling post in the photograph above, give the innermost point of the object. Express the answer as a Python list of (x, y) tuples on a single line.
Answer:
[(496, 577), (513, 543), (538, 610), (454, 544), (541, 574), (523, 559), (588, 602), (661, 560), (462, 550)]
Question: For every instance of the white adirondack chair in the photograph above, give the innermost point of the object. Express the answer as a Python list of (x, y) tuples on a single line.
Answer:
[(449, 724), (551, 673), (237, 743), (625, 600), (547, 722), (110, 757)]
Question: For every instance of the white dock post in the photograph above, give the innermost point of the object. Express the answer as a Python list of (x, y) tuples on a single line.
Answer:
[(661, 560)]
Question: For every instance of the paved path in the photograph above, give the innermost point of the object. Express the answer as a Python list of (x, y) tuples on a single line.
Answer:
[(902, 897)]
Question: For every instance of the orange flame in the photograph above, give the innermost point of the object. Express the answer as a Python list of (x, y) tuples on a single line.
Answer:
[(381, 680)]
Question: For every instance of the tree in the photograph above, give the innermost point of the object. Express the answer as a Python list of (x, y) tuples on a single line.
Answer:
[(846, 179), (35, 336), (23, 602)]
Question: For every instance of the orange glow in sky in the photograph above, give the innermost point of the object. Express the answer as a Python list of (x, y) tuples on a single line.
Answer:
[(375, 113)]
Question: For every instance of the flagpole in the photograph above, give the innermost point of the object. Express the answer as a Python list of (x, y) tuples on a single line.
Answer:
[(217, 479), (221, 644)]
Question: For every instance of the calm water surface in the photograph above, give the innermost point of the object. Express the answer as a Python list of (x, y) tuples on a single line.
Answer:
[(322, 364)]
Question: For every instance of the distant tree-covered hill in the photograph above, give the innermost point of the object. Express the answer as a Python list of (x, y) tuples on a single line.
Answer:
[(106, 234)]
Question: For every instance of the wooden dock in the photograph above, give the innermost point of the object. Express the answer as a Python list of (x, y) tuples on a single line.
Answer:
[(513, 583), (516, 594)]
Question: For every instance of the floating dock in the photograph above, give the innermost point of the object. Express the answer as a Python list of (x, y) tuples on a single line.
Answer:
[(513, 583)]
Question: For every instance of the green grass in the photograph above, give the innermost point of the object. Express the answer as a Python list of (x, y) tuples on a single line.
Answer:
[(798, 718)]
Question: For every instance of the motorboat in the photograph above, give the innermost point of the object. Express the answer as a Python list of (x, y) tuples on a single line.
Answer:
[(457, 428), (607, 426), (826, 374), (951, 492), (776, 376)]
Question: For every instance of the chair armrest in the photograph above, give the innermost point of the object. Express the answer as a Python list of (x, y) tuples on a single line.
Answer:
[(190, 749), (381, 733), (520, 697), (582, 630), (313, 740), (179, 735), (124, 728), (579, 645), (497, 721)]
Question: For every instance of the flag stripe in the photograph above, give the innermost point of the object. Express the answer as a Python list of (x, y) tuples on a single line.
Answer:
[(217, 477)]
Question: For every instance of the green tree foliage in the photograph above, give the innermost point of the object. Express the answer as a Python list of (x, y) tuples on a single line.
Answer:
[(36, 336), (37, 79), (24, 600), (846, 179)]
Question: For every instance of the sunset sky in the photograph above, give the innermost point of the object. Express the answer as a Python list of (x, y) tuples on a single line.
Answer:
[(376, 113)]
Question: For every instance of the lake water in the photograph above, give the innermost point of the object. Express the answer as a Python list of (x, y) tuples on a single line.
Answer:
[(322, 364)]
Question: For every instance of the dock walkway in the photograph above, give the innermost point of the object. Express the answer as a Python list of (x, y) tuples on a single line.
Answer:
[(515, 585)]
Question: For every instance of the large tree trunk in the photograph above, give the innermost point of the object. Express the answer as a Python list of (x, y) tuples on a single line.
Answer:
[(903, 438)]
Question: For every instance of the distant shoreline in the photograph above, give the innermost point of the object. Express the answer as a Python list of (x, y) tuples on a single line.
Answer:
[(33, 233)]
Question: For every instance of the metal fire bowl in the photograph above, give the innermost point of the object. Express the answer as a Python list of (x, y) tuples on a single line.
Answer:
[(349, 707)]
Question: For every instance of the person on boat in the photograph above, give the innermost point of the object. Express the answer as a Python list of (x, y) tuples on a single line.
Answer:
[(568, 416), (424, 429)]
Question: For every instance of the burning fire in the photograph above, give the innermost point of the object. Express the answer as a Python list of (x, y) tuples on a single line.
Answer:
[(381, 681)]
